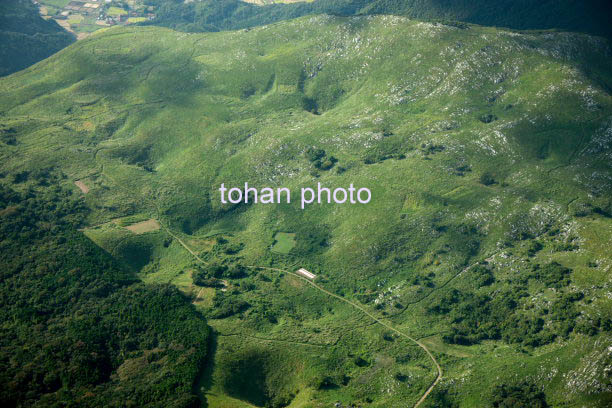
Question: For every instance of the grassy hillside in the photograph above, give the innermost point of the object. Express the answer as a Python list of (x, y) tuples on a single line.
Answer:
[(591, 16), (487, 237), (25, 37)]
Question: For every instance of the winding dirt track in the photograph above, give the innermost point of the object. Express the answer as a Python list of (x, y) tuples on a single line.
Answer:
[(376, 319), (180, 241), (355, 305)]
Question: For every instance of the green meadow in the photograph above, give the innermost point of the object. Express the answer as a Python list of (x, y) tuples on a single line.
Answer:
[(487, 237), (284, 242)]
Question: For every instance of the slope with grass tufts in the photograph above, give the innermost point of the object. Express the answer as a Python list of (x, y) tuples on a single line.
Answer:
[(487, 153)]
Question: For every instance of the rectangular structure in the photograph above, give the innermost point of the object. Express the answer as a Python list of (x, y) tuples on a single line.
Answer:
[(306, 274)]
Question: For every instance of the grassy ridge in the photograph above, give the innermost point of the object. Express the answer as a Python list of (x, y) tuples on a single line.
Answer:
[(206, 15), (25, 37), (487, 153)]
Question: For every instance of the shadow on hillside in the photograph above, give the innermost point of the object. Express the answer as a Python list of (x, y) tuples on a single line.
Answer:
[(204, 380)]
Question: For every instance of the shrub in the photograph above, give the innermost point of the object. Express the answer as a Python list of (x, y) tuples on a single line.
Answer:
[(553, 275), (520, 395), (487, 179)]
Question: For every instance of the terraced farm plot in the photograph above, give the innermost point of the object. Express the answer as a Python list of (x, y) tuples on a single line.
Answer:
[(284, 242), (116, 11), (75, 19)]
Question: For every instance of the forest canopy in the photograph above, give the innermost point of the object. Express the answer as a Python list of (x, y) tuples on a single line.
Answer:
[(76, 326)]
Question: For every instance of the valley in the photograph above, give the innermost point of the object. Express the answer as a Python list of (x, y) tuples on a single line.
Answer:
[(84, 17)]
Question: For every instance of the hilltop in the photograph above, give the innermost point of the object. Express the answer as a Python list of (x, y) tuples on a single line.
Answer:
[(23, 28), (487, 238)]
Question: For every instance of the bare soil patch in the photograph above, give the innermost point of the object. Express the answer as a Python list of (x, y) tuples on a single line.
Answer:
[(144, 226), (82, 186)]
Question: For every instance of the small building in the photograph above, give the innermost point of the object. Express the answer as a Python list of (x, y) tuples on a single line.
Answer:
[(306, 274)]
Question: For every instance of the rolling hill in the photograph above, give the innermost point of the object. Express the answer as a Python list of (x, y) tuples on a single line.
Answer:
[(486, 240), (25, 37)]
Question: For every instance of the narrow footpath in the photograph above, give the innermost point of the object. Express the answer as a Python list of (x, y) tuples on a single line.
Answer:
[(353, 304), (377, 320)]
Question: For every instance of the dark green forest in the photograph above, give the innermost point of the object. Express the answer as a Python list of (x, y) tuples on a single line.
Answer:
[(25, 37), (76, 327), (591, 16)]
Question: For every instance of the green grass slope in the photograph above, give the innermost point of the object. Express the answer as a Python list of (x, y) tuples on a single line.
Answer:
[(487, 236), (25, 37)]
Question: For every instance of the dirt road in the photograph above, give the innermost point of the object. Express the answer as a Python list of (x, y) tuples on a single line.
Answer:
[(377, 320), (355, 305)]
